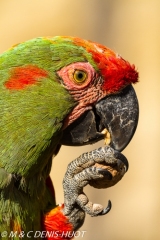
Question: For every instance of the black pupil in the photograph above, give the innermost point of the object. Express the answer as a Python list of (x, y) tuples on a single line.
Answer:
[(80, 75)]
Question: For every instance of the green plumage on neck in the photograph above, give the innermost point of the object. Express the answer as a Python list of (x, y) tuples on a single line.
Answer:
[(31, 127)]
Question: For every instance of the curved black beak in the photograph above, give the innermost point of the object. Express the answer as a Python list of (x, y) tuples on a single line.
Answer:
[(116, 113)]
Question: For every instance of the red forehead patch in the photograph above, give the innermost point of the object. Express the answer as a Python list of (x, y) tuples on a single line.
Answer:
[(117, 72), (21, 77)]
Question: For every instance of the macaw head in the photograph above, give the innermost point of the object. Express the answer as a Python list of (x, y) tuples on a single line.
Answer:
[(109, 106), (72, 91)]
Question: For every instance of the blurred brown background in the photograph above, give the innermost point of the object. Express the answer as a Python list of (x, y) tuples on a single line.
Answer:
[(132, 28)]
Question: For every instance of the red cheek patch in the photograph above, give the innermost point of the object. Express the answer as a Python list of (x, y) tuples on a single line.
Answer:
[(21, 77)]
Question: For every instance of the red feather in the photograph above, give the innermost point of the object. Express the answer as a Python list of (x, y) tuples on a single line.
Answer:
[(21, 77), (56, 225), (117, 73)]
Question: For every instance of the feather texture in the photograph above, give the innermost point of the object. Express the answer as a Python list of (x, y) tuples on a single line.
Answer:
[(39, 97)]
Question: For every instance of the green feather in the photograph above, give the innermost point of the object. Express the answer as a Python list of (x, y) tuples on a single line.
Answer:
[(31, 127)]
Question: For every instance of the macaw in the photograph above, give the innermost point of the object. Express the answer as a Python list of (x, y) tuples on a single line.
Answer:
[(54, 91)]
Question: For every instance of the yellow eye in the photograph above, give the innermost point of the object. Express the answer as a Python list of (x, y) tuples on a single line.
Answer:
[(79, 76)]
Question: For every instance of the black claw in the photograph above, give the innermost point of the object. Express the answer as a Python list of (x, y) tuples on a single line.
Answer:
[(105, 173), (106, 210), (121, 158)]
